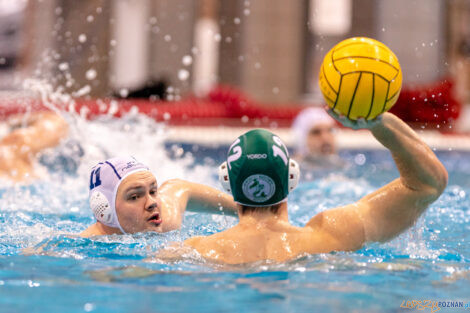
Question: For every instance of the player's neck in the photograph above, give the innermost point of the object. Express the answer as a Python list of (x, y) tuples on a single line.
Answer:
[(264, 215), (106, 230)]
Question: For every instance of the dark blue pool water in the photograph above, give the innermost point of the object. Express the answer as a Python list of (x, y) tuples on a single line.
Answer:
[(70, 274)]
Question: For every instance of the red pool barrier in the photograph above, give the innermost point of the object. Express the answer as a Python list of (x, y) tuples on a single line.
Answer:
[(432, 104)]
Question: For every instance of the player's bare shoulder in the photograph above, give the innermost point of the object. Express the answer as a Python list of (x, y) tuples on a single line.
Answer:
[(172, 186), (194, 242)]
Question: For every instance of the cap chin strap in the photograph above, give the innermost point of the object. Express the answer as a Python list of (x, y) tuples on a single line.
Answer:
[(294, 176), (103, 212)]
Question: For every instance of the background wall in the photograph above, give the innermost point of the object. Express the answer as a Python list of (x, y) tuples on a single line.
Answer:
[(270, 50)]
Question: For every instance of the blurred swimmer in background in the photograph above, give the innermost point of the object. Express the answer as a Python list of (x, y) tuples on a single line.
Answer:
[(125, 198), (315, 143), (29, 135)]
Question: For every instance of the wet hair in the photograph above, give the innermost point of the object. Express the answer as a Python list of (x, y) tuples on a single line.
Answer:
[(250, 209)]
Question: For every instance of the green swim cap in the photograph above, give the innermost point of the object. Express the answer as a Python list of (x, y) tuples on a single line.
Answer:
[(258, 171)]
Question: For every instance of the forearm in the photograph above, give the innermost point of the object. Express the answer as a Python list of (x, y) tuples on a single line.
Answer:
[(418, 166), (206, 199)]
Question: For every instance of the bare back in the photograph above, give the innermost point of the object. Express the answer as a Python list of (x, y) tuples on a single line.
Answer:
[(273, 238), (242, 245)]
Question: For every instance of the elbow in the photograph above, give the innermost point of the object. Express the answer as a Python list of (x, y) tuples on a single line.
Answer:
[(445, 180), (439, 184), (442, 179)]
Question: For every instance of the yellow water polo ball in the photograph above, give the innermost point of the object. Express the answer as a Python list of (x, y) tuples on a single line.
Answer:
[(360, 77)]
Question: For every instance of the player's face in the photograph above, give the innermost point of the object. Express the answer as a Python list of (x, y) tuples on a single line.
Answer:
[(137, 205), (321, 139)]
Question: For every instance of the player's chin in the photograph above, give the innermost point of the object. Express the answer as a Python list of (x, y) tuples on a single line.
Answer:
[(156, 227), (327, 149)]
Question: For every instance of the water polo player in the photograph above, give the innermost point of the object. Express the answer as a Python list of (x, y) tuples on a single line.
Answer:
[(125, 198), (259, 174), (315, 142), (31, 134)]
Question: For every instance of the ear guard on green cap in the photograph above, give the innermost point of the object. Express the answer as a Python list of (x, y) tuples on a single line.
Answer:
[(258, 171)]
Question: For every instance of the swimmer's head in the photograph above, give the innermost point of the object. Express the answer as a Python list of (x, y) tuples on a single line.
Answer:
[(313, 131), (258, 171), (123, 195)]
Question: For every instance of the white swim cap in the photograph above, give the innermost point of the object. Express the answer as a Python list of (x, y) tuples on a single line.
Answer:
[(105, 179), (305, 121)]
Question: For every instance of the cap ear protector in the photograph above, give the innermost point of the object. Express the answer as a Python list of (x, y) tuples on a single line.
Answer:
[(293, 176), (101, 208), (224, 178)]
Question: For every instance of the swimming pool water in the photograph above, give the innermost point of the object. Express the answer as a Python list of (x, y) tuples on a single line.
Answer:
[(431, 261)]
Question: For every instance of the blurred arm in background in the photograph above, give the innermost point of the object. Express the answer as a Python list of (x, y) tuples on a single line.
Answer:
[(31, 134)]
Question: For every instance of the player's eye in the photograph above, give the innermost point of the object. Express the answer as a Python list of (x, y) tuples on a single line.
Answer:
[(133, 197)]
